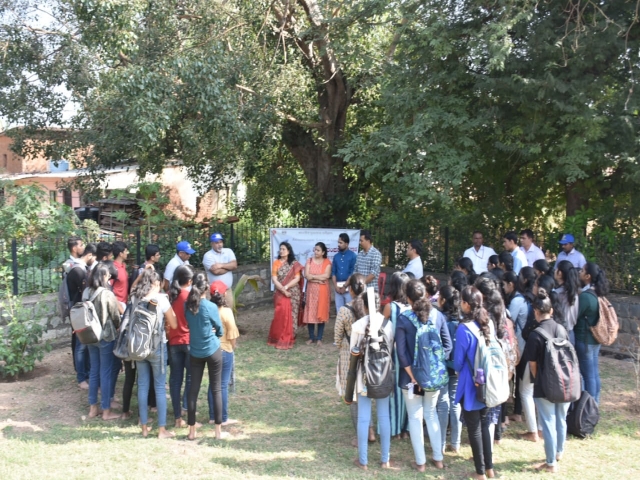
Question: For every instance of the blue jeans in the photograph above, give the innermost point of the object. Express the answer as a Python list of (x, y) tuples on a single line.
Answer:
[(312, 335), (364, 418), (589, 367), (155, 363), (101, 374), (81, 357), (227, 366), (454, 411), (442, 407), (418, 408), (553, 419), (341, 300), (179, 361)]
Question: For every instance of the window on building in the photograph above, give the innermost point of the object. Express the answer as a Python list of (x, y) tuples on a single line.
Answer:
[(66, 197), (53, 196)]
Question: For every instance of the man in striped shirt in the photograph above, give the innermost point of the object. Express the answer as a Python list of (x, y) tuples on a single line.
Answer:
[(369, 260)]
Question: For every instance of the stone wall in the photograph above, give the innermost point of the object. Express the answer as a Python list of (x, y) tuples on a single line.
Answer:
[(45, 307)]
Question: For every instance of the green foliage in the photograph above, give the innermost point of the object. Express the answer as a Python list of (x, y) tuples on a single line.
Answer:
[(21, 336)]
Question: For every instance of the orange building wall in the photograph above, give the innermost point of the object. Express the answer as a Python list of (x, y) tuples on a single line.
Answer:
[(11, 163)]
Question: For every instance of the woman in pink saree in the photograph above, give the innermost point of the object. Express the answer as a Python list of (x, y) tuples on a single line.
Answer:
[(286, 275)]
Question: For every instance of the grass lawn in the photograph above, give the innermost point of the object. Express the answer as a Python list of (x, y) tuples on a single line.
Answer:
[(293, 425)]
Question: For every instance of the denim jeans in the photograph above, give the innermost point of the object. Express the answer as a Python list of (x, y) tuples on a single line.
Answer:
[(227, 367), (101, 374), (341, 300), (179, 361), (480, 438), (526, 395), (81, 361), (442, 408), (589, 367), (311, 328), (153, 363), (553, 417), (420, 407), (364, 419), (455, 410)]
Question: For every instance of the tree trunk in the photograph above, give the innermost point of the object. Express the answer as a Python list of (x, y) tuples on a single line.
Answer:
[(575, 198)]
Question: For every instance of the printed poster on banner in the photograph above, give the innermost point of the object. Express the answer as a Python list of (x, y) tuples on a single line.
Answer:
[(302, 241)]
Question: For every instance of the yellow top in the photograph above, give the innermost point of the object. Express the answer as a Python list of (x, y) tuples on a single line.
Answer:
[(229, 328)]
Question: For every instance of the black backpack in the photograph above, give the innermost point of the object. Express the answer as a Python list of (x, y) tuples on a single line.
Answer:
[(583, 416), (378, 364), (560, 372)]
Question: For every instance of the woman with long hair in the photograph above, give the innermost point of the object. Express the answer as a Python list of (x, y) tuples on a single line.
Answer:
[(475, 319), (411, 324), (458, 280), (359, 330), (449, 305), (179, 343), (505, 261), (552, 415), (347, 315), (392, 310), (205, 329), (217, 289), (103, 369), (595, 285), (465, 265), (493, 262), (541, 267), (286, 275), (148, 291), (318, 297), (568, 280)]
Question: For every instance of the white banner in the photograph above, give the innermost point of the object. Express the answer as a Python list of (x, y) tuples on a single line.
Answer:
[(302, 241)]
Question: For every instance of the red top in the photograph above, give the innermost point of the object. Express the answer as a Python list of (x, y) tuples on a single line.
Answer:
[(121, 285), (180, 335)]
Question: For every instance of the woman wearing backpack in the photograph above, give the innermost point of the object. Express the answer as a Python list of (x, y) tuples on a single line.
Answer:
[(347, 315), (179, 343), (426, 322), (393, 310), (359, 332), (101, 355), (205, 329), (595, 285), (148, 290), (568, 280), (553, 416), (475, 412), (449, 304)]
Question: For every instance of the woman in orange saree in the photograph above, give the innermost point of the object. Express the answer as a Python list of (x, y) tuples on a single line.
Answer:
[(316, 310), (287, 278)]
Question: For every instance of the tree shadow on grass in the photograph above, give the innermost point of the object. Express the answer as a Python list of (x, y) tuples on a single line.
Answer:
[(63, 434)]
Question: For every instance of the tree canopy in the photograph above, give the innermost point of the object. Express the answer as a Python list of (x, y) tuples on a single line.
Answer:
[(495, 113)]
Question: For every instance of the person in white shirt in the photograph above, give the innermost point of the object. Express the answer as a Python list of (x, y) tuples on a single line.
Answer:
[(414, 250), (530, 250), (478, 253), (182, 256), (219, 262), (510, 243), (569, 252)]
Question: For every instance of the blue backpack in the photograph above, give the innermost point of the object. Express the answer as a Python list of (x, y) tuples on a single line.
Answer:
[(429, 367)]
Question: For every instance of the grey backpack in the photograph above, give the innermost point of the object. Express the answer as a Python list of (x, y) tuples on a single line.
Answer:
[(560, 373), (84, 319), (144, 330)]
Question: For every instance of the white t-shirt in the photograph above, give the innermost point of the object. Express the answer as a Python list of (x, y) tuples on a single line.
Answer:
[(174, 263), (479, 258), (534, 253), (415, 267), (211, 257)]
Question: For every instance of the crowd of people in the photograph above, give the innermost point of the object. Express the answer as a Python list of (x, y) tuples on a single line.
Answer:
[(515, 297), (197, 328)]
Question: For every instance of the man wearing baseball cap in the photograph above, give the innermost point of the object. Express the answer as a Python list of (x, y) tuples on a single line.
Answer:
[(183, 253), (219, 262), (570, 253)]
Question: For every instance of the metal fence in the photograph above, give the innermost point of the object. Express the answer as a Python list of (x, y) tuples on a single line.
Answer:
[(36, 264)]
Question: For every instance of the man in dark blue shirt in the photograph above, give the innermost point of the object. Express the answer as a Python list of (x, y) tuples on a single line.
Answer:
[(342, 268)]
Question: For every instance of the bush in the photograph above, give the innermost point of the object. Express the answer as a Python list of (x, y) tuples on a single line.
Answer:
[(21, 343)]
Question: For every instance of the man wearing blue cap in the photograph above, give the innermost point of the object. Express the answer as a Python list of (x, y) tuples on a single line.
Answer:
[(570, 253), (219, 262), (182, 256)]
